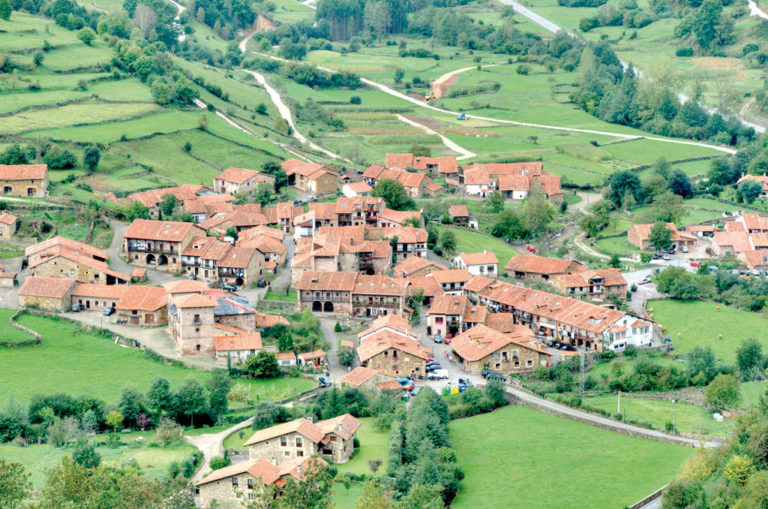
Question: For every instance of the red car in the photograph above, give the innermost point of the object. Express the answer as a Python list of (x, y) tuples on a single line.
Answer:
[(695, 264), (531, 249)]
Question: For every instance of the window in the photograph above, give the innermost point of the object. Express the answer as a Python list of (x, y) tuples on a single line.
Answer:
[(283, 442), (298, 441), (332, 438), (234, 481), (197, 329), (197, 318), (197, 347), (250, 484), (300, 454), (529, 363)]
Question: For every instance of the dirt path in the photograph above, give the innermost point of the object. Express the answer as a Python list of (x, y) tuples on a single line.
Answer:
[(212, 445), (179, 9), (465, 154), (579, 241), (440, 86)]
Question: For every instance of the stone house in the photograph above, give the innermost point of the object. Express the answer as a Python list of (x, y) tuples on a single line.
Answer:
[(191, 323), (310, 177), (393, 354), (445, 167), (201, 257), (237, 348), (24, 180), (237, 180), (143, 305), (593, 284), (481, 347), (365, 379), (236, 486), (48, 293), (413, 183), (416, 267), (329, 292), (8, 225), (525, 267), (70, 259), (269, 241), (379, 295), (159, 243), (389, 218), (459, 214), (241, 266), (99, 297), (331, 439)]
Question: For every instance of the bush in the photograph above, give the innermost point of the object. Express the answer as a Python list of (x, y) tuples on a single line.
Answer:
[(355, 100), (523, 70), (684, 52), (218, 462)]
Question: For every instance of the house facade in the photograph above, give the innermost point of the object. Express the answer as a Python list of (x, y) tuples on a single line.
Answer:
[(237, 180), (478, 264), (24, 180), (524, 267), (159, 244), (482, 348), (191, 323)]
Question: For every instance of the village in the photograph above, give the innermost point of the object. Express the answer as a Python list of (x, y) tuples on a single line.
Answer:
[(195, 290)]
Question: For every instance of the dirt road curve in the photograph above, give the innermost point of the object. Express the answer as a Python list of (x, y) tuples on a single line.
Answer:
[(465, 154)]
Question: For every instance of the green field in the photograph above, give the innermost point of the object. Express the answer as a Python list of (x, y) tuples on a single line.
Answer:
[(628, 366), (688, 418), (373, 445), (7, 333), (281, 295), (473, 242), (510, 455), (39, 460), (700, 323), (78, 363)]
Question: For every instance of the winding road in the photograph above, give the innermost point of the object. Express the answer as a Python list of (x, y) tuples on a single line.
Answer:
[(465, 154)]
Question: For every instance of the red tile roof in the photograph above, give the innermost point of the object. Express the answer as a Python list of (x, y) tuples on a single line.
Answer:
[(23, 171), (448, 305), (611, 277), (6, 218), (458, 211), (143, 298), (452, 276), (359, 376), (379, 285), (340, 281), (301, 426), (49, 287), (481, 341), (238, 175), (541, 265), (248, 341), (414, 264), (484, 258), (99, 291), (197, 300), (186, 286), (386, 340), (168, 231), (238, 257)]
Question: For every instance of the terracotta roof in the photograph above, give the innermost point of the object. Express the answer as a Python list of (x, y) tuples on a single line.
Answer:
[(477, 283), (448, 305), (301, 426), (238, 175), (399, 216), (495, 169), (390, 385), (476, 177), (23, 171), (385, 340), (208, 248), (347, 343), (143, 298), (152, 197), (451, 276), (701, 228), (73, 245), (734, 226), (359, 187), (481, 341), (475, 314), (259, 468), (266, 321), (458, 211), (359, 376), (344, 426), (484, 258), (541, 265), (427, 284), (379, 285), (755, 221), (50, 287), (502, 322), (391, 321), (138, 273), (414, 264), (262, 231), (316, 354), (285, 355), (406, 234), (644, 230), (611, 277), (264, 244), (738, 241), (186, 286), (248, 341), (99, 291), (238, 257), (197, 300), (403, 161), (239, 218), (308, 169), (6, 218), (514, 183), (340, 281), (168, 231)]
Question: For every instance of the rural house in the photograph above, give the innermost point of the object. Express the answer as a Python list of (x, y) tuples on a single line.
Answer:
[(638, 234), (482, 348), (593, 284), (524, 267), (143, 305), (24, 179), (478, 264), (237, 348), (8, 225), (159, 243), (48, 293), (310, 177), (66, 258), (237, 180)]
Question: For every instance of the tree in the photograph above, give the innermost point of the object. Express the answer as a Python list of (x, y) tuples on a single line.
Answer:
[(495, 202), (750, 190), (5, 9), (85, 455), (91, 158), (261, 109), (738, 469), (189, 400), (131, 404), (263, 194), (423, 496), (346, 356), (14, 483), (615, 261), (262, 365), (749, 357), (136, 210), (144, 18), (314, 491), (218, 462), (420, 151), (159, 397), (232, 233), (375, 496), (448, 240), (281, 180), (168, 205), (14, 154), (680, 184), (86, 35), (660, 237), (495, 392), (621, 182), (537, 211), (702, 360), (114, 420), (723, 392), (394, 194), (669, 208), (509, 226), (218, 388)]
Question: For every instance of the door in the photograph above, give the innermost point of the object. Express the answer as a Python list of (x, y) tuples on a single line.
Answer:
[(149, 318)]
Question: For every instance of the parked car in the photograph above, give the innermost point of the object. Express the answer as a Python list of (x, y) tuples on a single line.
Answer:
[(438, 374), (466, 381), (77, 307), (109, 311), (490, 374), (405, 383), (684, 249), (665, 256), (262, 283), (324, 382), (644, 281), (438, 338), (695, 265), (655, 256), (229, 288), (416, 390), (431, 366)]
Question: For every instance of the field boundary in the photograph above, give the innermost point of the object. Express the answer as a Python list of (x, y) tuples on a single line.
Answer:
[(649, 498)]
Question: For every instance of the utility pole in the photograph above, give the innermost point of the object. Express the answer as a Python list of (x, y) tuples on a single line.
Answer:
[(674, 405), (581, 374), (618, 402)]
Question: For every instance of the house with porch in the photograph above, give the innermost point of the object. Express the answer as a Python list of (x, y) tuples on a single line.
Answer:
[(595, 285), (481, 347), (379, 295), (159, 244), (532, 268), (329, 292)]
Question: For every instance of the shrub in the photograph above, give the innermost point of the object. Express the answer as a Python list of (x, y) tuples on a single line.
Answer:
[(355, 99), (523, 70), (684, 52), (218, 462)]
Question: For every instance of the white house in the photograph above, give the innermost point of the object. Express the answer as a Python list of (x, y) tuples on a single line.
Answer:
[(237, 348), (286, 359), (477, 182), (356, 189), (478, 264), (629, 330)]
